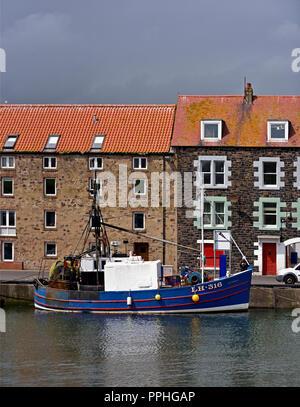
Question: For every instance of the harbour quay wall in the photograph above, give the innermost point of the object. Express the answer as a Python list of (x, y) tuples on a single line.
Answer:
[(275, 297), (16, 291), (261, 296)]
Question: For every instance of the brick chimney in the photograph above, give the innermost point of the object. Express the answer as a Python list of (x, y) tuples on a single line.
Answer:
[(248, 95)]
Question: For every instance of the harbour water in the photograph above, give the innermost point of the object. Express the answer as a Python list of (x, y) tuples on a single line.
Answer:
[(255, 348)]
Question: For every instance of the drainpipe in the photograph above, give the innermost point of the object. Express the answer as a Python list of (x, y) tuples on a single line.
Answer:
[(164, 209)]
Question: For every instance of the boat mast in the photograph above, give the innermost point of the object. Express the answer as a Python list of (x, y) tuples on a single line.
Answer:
[(202, 228), (96, 218)]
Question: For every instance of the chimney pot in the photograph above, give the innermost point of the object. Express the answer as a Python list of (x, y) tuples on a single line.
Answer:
[(248, 95)]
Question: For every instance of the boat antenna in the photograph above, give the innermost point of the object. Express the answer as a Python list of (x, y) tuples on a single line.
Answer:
[(202, 227), (101, 238)]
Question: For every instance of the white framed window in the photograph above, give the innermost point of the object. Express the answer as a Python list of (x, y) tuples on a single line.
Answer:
[(50, 186), (52, 142), (7, 251), (138, 219), (269, 173), (49, 162), (7, 162), (7, 186), (211, 130), (10, 141), (50, 249), (50, 219), (139, 163), (213, 172), (95, 163), (98, 141), (139, 186), (7, 223), (278, 130)]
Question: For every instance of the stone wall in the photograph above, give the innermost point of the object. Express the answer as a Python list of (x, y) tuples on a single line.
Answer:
[(72, 204), (242, 194)]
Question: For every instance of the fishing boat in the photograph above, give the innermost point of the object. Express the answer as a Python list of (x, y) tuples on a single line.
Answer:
[(96, 280)]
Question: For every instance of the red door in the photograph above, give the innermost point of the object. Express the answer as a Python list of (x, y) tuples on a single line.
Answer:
[(209, 255), (269, 258)]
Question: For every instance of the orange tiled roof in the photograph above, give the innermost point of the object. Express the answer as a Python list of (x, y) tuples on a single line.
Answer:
[(128, 128), (243, 125)]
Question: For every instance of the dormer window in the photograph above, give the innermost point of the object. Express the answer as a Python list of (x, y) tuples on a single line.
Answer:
[(211, 130), (52, 142), (98, 141), (10, 141), (278, 130)]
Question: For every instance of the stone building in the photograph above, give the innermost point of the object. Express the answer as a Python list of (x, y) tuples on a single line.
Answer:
[(49, 155), (245, 153)]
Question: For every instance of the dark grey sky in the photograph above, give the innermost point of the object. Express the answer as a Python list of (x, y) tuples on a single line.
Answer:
[(141, 51)]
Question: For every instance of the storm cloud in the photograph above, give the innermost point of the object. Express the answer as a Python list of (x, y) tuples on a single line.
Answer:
[(136, 51)]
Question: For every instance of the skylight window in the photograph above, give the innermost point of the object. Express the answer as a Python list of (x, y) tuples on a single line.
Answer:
[(52, 142), (98, 141), (10, 141)]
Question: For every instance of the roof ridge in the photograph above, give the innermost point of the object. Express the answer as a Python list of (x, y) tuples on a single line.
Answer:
[(82, 105), (238, 95)]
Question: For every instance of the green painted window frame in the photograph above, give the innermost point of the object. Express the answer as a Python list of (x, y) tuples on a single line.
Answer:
[(260, 214), (296, 205), (213, 200)]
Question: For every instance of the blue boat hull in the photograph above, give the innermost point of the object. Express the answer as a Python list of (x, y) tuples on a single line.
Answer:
[(226, 294)]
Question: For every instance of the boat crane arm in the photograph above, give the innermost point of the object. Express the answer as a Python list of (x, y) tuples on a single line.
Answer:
[(147, 236)]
